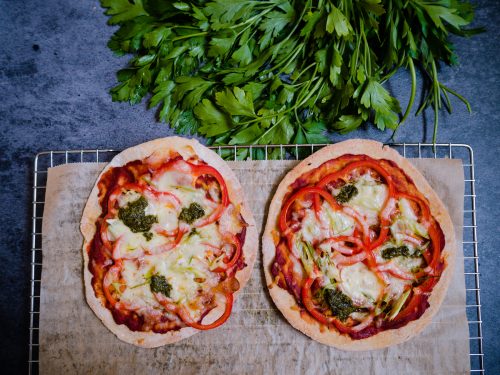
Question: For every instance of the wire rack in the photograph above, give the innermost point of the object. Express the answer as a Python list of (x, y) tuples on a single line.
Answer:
[(47, 159)]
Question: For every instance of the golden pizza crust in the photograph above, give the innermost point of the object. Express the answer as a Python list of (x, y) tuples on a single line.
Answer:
[(162, 147), (286, 302)]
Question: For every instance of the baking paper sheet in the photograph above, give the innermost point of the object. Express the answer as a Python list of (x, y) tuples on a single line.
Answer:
[(256, 339)]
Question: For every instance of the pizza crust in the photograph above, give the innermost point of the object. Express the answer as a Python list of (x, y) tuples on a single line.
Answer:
[(286, 302), (92, 210)]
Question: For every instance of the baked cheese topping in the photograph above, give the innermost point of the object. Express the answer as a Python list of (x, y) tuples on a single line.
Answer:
[(173, 240), (368, 252)]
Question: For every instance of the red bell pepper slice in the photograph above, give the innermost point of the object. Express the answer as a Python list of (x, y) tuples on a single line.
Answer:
[(199, 170), (342, 260), (179, 165), (333, 241), (103, 232), (358, 164), (300, 194), (309, 304), (186, 318), (112, 274), (413, 307), (171, 245), (228, 264), (433, 232), (395, 271)]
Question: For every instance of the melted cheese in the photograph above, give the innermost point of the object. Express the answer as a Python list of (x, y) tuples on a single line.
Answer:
[(396, 287), (167, 215), (333, 223), (310, 229), (230, 220), (360, 284), (407, 223), (337, 222), (370, 198)]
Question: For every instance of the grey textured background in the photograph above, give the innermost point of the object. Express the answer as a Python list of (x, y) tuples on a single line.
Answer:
[(55, 96)]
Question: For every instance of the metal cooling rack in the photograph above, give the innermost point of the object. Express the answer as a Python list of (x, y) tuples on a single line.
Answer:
[(47, 159)]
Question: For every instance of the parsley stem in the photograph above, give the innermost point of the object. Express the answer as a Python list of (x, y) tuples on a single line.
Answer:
[(447, 98), (251, 19), (190, 36), (435, 85), (290, 60), (303, 71), (452, 92), (311, 93), (269, 130), (138, 285), (413, 91), (296, 106), (286, 60)]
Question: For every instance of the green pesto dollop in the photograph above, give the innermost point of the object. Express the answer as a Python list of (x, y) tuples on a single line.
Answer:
[(133, 216), (340, 305), (346, 193), (400, 251), (191, 213), (159, 284)]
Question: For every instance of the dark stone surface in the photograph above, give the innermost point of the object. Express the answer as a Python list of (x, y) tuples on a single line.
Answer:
[(55, 73)]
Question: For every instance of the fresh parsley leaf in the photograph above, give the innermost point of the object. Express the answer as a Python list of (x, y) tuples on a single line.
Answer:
[(347, 123), (386, 107), (214, 122), (123, 10), (273, 23), (236, 102), (336, 21), (246, 136), (190, 90)]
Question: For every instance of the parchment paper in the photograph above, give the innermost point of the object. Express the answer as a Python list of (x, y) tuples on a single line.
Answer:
[(256, 339)]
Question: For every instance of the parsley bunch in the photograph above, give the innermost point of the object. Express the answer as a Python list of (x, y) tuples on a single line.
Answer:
[(277, 71)]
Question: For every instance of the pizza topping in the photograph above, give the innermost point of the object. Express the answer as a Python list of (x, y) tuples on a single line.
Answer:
[(361, 243), (159, 284), (340, 305), (191, 213), (392, 252), (134, 217), (346, 193), (169, 244)]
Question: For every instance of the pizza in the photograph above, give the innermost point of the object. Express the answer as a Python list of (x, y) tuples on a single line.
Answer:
[(358, 249), (169, 242)]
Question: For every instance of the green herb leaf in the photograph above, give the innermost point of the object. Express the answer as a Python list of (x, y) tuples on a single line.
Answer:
[(385, 106), (123, 10), (337, 22), (236, 102), (214, 122)]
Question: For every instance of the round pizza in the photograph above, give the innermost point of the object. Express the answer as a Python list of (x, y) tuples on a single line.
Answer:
[(358, 249), (168, 244)]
